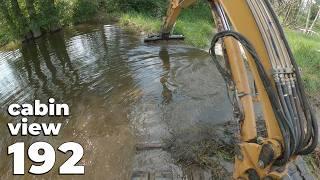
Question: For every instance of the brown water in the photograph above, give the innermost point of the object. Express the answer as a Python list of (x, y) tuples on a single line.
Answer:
[(121, 92)]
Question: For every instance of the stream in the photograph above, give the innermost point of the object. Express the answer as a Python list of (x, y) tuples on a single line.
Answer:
[(122, 94)]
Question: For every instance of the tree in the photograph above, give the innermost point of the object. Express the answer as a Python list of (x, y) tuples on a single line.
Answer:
[(315, 15), (5, 12), (315, 19), (49, 14), (309, 6), (21, 20), (34, 19), (292, 11), (54, 24)]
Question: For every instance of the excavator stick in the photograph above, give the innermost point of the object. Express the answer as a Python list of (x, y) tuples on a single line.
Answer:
[(173, 12), (253, 42)]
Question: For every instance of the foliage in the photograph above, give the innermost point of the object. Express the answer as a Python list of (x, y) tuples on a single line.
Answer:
[(65, 11), (21, 19), (155, 8), (48, 14), (5, 37), (84, 10)]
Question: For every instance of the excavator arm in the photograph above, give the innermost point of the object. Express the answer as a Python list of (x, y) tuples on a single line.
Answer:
[(173, 11), (255, 49)]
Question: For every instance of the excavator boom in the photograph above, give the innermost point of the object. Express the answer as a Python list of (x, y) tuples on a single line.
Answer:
[(173, 11), (255, 49)]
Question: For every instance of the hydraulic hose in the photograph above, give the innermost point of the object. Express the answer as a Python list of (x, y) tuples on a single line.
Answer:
[(286, 127), (311, 138), (290, 105), (285, 103)]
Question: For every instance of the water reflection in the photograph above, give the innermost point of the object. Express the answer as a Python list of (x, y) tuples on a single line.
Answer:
[(165, 58), (89, 72), (29, 56), (52, 79)]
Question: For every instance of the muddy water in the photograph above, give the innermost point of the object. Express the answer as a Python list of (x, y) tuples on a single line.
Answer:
[(122, 93)]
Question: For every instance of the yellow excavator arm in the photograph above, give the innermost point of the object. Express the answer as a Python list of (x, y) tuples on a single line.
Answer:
[(173, 12), (254, 47)]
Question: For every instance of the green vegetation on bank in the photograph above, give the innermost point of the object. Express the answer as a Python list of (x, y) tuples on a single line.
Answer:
[(196, 23), (25, 19), (306, 50), (38, 17)]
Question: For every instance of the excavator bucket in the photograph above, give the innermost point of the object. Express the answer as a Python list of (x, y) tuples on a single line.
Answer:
[(154, 38)]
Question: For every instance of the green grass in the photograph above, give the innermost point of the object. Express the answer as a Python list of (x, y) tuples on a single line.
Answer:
[(140, 21), (12, 45), (195, 23), (306, 51)]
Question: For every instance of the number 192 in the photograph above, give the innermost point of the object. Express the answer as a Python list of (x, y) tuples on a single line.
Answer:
[(42, 152)]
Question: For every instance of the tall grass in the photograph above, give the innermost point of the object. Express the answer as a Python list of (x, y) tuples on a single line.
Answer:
[(195, 23), (141, 22), (306, 50)]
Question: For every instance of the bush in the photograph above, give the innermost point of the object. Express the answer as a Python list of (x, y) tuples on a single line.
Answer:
[(65, 11), (5, 34), (48, 15), (155, 8), (84, 10)]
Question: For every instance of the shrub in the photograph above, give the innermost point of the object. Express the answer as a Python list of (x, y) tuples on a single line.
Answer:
[(155, 8), (84, 10)]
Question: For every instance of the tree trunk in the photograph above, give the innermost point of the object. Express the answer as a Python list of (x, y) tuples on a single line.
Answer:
[(315, 20), (36, 32), (21, 19), (54, 26), (287, 16), (299, 10), (308, 17)]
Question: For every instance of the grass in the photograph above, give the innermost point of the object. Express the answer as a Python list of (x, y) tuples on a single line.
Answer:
[(306, 50), (12, 45), (195, 23), (140, 21)]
